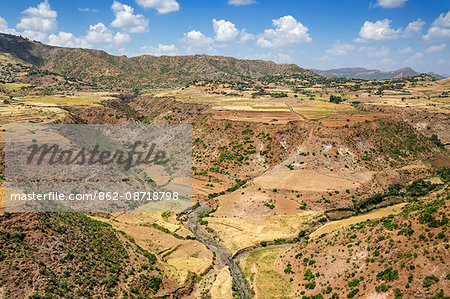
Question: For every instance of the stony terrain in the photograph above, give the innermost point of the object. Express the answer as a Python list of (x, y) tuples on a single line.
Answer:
[(305, 186)]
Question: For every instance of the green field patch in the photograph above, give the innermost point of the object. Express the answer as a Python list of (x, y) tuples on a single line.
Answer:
[(319, 109), (14, 86)]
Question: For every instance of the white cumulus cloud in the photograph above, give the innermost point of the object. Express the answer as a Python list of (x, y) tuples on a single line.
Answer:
[(100, 34), (66, 39), (161, 6), (283, 58), (391, 3), (340, 48), (196, 41), (225, 30), (413, 28), (379, 30), (275, 57), (39, 21), (437, 33), (121, 38), (126, 19), (4, 27), (435, 48), (245, 36), (440, 28), (442, 20), (160, 50), (287, 31), (240, 2)]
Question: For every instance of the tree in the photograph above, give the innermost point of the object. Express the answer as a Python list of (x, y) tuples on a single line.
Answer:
[(335, 99)]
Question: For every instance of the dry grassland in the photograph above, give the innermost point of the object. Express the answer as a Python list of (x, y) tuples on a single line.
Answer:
[(265, 280)]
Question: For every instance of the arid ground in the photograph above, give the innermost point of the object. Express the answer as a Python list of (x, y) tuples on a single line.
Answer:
[(304, 186)]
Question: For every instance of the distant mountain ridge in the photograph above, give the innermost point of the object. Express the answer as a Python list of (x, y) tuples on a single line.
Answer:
[(368, 74), (438, 76), (102, 69)]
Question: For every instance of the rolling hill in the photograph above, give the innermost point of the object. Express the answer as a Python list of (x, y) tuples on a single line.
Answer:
[(305, 186), (104, 70), (363, 73)]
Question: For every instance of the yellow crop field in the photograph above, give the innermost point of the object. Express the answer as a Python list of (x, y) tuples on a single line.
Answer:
[(63, 101), (267, 282)]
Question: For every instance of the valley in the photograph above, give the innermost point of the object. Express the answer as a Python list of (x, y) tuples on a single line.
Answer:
[(303, 185)]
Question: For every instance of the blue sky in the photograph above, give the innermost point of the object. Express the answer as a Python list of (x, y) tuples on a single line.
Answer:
[(382, 34)]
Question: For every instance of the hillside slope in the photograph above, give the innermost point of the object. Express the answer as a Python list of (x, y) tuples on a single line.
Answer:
[(363, 73), (104, 70), (397, 256), (71, 255)]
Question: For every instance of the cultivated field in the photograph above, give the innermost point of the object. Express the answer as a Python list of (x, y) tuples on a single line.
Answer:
[(274, 159), (237, 233), (221, 287), (336, 225), (179, 256), (264, 277)]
